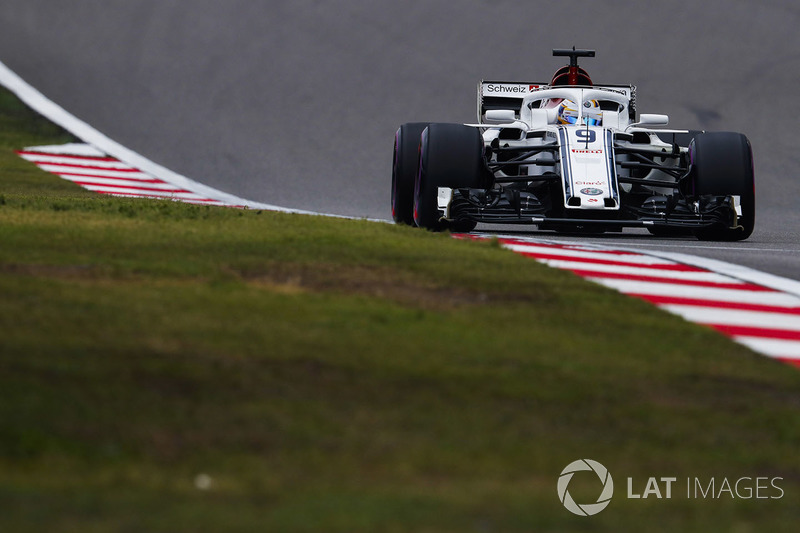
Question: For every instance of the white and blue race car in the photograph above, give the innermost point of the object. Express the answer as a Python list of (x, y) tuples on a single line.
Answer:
[(572, 156)]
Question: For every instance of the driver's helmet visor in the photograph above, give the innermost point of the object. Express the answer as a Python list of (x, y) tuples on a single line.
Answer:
[(592, 114)]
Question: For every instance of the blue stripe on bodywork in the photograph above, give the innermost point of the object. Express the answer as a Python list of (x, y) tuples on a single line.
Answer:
[(566, 162), (612, 166)]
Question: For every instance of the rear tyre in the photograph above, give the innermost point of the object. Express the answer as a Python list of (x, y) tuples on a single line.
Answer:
[(404, 171), (722, 165), (450, 155)]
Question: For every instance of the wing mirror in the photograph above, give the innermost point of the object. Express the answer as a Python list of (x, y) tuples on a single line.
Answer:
[(650, 119), (500, 116)]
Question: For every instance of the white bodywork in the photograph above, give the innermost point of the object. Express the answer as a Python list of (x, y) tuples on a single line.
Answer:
[(587, 168), (526, 115)]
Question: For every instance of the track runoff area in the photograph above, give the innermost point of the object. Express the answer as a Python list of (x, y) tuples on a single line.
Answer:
[(758, 310)]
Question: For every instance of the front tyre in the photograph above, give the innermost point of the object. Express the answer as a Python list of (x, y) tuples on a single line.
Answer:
[(450, 155), (722, 165), (404, 171)]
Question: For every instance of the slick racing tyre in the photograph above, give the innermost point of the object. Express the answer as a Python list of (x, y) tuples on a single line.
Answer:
[(404, 171), (722, 165), (451, 155)]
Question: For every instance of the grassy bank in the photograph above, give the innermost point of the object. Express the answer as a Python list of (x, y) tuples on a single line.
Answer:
[(172, 367)]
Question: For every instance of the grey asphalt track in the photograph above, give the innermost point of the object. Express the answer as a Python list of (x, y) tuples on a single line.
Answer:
[(296, 102)]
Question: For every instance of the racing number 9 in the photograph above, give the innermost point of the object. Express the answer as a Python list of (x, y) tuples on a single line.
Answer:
[(587, 136)]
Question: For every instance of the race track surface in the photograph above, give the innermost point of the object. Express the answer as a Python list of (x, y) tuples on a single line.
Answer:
[(295, 103)]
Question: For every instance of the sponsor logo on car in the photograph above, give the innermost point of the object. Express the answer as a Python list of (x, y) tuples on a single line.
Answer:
[(592, 191), (618, 91), (578, 151), (501, 88)]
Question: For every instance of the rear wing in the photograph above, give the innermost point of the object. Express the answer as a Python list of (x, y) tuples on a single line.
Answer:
[(509, 95)]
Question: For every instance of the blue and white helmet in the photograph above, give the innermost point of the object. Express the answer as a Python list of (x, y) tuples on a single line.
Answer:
[(592, 114)]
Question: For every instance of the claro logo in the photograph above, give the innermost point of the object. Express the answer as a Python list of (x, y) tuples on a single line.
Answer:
[(585, 509)]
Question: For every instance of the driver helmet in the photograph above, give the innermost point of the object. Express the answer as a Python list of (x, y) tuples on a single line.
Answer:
[(592, 114)]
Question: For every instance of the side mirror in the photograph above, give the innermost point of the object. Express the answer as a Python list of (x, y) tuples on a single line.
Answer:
[(500, 116), (649, 119)]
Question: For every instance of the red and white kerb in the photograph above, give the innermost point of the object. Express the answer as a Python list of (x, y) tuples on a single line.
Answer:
[(764, 319), (92, 169)]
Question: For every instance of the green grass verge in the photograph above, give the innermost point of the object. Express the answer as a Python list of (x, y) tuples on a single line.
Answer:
[(168, 367)]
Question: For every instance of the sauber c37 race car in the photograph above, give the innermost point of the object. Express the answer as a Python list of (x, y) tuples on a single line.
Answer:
[(572, 156)]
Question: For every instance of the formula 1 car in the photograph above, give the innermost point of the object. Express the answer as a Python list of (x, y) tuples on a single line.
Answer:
[(572, 156)]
